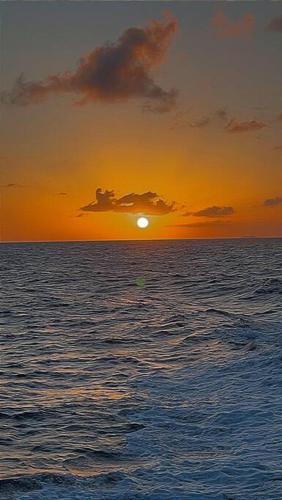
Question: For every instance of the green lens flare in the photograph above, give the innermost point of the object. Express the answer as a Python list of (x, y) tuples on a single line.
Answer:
[(140, 282)]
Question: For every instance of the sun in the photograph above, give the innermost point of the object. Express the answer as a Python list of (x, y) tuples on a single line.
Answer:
[(142, 222)]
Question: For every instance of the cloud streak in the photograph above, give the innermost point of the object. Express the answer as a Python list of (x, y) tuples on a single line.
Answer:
[(11, 185), (273, 202), (201, 122), (210, 223), (112, 72), (213, 211), (235, 126), (225, 28), (148, 203)]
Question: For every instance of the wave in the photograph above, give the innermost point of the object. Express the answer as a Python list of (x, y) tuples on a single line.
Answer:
[(62, 482), (270, 285)]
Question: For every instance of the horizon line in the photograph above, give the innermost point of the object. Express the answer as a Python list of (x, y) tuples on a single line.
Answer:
[(142, 240)]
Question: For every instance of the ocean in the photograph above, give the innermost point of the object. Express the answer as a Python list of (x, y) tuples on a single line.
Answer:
[(141, 370)]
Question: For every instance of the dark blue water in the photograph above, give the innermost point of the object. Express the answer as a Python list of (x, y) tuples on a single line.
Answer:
[(141, 370)]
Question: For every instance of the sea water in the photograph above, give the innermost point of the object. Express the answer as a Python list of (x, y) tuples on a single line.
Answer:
[(141, 370)]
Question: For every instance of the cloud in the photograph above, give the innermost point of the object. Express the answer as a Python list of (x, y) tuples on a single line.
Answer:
[(11, 185), (222, 114), (209, 223), (273, 202), (213, 211), (280, 116), (148, 203), (275, 24), (225, 28), (201, 122), (235, 126), (62, 193), (112, 72)]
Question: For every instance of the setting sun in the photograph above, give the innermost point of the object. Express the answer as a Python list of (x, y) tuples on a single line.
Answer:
[(142, 222)]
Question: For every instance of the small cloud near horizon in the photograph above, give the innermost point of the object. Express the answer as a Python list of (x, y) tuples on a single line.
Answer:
[(225, 28), (112, 72), (235, 126), (273, 202), (148, 203), (11, 185), (213, 211), (209, 223), (201, 122), (222, 114)]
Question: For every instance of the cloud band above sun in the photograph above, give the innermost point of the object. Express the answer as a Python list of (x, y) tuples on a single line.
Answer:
[(112, 72), (148, 203)]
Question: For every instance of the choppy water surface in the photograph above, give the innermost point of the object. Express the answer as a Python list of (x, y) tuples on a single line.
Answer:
[(168, 387)]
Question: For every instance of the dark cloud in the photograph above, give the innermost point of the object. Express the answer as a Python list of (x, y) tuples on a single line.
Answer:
[(280, 117), (148, 203), (235, 126), (277, 148), (225, 28), (110, 73), (62, 193), (273, 202), (213, 211), (275, 24)]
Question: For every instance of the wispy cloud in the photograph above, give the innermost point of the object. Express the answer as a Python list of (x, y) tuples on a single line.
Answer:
[(273, 202), (110, 73), (235, 126), (275, 24), (214, 211), (148, 203), (225, 28), (209, 223), (201, 122), (11, 185), (222, 114)]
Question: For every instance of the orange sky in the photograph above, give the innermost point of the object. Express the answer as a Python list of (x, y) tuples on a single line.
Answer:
[(141, 138)]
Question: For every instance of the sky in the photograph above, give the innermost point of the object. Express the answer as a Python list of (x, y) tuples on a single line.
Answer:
[(115, 110)]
